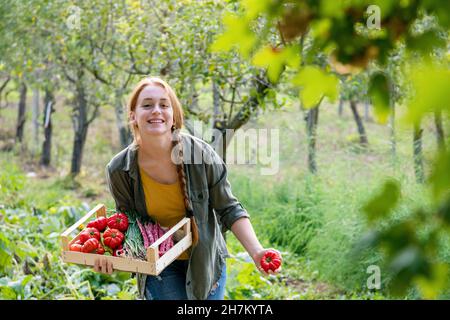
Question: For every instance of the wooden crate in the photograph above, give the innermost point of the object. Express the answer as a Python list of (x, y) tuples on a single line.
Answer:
[(154, 264)]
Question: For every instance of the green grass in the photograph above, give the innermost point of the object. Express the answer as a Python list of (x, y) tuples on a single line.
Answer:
[(320, 217)]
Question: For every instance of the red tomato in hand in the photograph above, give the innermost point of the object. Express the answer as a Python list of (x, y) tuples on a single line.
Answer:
[(100, 224), (118, 221), (89, 233), (90, 245), (271, 261), (113, 238)]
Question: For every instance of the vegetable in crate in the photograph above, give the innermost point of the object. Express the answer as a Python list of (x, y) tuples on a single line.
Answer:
[(76, 246), (118, 221), (99, 249), (89, 233), (90, 245), (151, 232), (118, 251), (113, 238), (133, 245), (100, 224)]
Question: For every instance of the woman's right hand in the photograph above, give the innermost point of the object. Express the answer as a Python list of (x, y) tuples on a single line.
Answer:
[(103, 265)]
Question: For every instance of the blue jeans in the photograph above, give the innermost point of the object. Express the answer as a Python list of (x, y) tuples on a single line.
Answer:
[(170, 284)]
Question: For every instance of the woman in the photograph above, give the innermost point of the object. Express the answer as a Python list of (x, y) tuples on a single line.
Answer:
[(160, 175)]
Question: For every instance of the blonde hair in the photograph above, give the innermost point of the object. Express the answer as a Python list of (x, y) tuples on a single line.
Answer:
[(178, 121)]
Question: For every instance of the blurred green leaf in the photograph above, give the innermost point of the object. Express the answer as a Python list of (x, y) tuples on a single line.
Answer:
[(332, 8), (431, 86), (274, 59), (5, 252), (444, 211), (123, 295), (405, 267), (380, 205), (435, 283), (23, 250), (315, 84), (440, 175), (7, 293), (426, 42), (368, 241), (255, 7), (397, 237), (237, 34), (271, 59), (379, 93)]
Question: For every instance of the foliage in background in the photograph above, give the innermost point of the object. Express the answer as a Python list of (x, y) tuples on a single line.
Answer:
[(338, 29)]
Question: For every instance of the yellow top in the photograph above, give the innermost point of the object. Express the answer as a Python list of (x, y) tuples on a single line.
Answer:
[(164, 202)]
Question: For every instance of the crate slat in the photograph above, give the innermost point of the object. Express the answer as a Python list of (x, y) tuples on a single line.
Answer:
[(173, 253)]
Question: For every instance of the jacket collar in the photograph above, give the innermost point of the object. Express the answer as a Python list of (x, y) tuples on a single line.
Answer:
[(130, 164)]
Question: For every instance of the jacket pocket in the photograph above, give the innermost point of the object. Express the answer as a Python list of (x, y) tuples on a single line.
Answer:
[(200, 204)]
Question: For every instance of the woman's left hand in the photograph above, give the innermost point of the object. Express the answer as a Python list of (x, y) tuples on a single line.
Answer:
[(257, 257)]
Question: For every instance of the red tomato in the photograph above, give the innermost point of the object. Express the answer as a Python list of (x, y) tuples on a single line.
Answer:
[(271, 261), (76, 246), (89, 233), (100, 223), (118, 221), (90, 245), (113, 238), (99, 249)]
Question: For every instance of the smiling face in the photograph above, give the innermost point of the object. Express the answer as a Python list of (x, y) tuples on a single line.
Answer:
[(153, 114)]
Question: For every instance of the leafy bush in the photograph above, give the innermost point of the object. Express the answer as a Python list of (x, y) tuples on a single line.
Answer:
[(12, 181)]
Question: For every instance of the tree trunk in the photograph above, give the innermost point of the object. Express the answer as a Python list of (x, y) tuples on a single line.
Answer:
[(361, 130), (439, 129), (2, 87), (217, 120), (341, 107), (80, 127), (312, 119), (216, 102), (218, 138), (21, 114), (392, 122), (393, 134), (35, 120), (221, 140), (418, 156), (366, 110), (49, 102), (125, 136)]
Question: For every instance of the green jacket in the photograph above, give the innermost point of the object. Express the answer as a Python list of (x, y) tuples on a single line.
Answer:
[(215, 208)]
